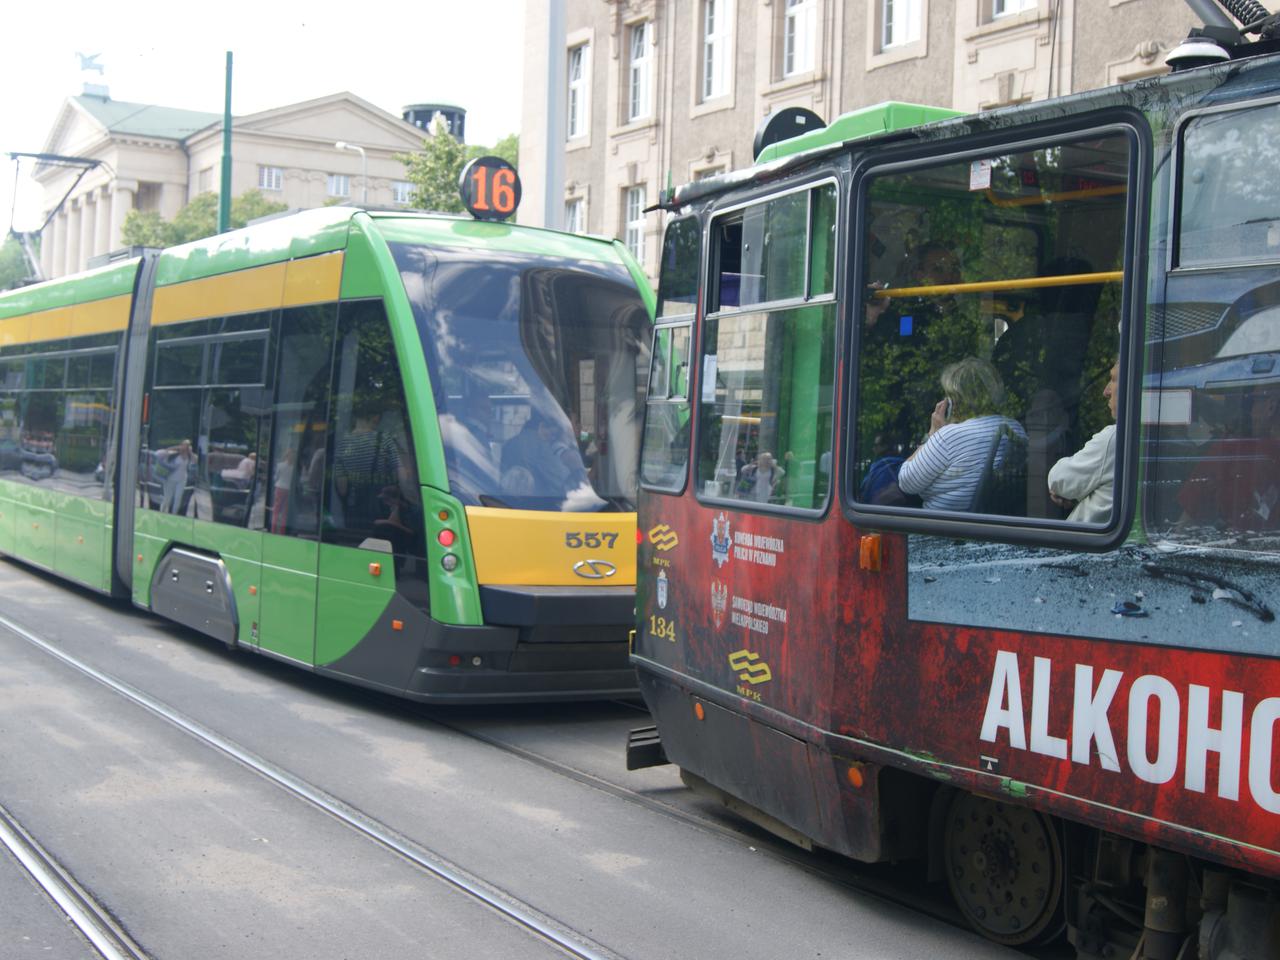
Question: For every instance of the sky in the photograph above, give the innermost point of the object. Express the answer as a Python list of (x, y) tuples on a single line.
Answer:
[(388, 53)]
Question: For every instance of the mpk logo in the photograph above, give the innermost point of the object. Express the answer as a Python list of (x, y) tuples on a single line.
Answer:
[(753, 671), (663, 537)]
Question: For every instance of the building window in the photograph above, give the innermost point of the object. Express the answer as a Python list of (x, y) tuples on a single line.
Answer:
[(900, 22), (270, 178), (339, 185), (401, 192), (579, 64), (633, 221), (798, 37), (575, 215), (204, 182), (1005, 8), (717, 55), (638, 72)]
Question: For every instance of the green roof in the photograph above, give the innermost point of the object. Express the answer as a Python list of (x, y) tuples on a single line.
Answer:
[(880, 118), (146, 120)]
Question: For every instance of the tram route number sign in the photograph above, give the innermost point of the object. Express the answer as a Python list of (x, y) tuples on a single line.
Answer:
[(490, 188)]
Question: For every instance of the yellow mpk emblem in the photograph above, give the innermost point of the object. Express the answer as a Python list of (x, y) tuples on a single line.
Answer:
[(663, 537), (751, 669)]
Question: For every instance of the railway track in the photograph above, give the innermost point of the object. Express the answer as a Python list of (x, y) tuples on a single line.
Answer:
[(889, 884), (77, 905), (109, 938)]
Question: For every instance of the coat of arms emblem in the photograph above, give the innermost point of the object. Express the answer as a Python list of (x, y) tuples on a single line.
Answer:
[(720, 541), (719, 602)]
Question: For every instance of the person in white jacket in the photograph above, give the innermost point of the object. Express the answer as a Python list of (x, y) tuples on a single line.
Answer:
[(1085, 481)]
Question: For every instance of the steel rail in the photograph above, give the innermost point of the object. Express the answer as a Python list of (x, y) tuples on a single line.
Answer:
[(524, 915), (106, 936)]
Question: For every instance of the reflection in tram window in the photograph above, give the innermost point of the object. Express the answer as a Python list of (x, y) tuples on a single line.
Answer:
[(1013, 261), (539, 375)]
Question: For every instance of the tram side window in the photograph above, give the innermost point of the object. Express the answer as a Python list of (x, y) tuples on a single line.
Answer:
[(371, 477), (765, 410), (664, 456), (988, 333), (303, 364), (207, 423), (1212, 468), (235, 438), (56, 402), (1228, 207)]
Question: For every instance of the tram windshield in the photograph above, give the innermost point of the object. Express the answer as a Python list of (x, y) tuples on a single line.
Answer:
[(537, 366)]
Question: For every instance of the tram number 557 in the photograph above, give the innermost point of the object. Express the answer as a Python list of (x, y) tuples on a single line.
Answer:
[(592, 541)]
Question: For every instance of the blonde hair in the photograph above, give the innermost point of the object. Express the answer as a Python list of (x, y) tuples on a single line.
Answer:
[(974, 388)]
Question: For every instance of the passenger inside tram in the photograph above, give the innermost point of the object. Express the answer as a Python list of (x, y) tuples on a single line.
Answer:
[(968, 441)]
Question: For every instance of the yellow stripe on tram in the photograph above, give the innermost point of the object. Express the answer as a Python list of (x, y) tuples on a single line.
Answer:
[(538, 548), (244, 291), (313, 279), (109, 315)]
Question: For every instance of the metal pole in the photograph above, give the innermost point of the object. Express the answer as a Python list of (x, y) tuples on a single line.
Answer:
[(557, 94), (364, 167), (224, 196)]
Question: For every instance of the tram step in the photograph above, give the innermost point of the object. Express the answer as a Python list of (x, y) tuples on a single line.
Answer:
[(644, 749)]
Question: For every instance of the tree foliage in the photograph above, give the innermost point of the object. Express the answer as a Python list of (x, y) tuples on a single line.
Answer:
[(13, 264), (435, 169), (198, 219)]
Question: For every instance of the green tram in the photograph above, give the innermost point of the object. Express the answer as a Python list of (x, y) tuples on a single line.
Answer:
[(398, 449)]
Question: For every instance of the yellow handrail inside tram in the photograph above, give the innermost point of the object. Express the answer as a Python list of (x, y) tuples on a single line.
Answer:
[(988, 286), (1053, 197)]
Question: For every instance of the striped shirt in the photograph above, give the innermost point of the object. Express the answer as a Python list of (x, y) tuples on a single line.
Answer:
[(945, 471)]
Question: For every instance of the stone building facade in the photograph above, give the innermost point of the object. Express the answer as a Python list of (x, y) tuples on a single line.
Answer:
[(158, 159), (660, 91)]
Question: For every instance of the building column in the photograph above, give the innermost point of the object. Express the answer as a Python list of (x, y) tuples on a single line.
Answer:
[(102, 220), (73, 238), (122, 192), (87, 211), (48, 240), (58, 265)]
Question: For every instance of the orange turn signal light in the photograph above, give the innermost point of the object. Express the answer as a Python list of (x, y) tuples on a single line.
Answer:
[(397, 624), (699, 712), (375, 569), (869, 553), (854, 776), (443, 515), (253, 591)]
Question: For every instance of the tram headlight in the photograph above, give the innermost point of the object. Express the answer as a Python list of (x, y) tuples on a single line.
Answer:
[(449, 561)]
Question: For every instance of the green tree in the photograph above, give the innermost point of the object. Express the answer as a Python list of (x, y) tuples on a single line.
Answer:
[(435, 169), (198, 219), (508, 148), (13, 264), (146, 229)]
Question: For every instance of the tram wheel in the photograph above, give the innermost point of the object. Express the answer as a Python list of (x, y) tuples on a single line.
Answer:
[(1005, 869)]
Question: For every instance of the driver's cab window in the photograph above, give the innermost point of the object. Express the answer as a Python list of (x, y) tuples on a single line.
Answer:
[(988, 344), (664, 457)]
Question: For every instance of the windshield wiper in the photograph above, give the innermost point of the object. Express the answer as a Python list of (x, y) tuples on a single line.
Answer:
[(1220, 587)]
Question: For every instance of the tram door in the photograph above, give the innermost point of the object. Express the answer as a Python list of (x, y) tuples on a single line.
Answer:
[(291, 546), (372, 546)]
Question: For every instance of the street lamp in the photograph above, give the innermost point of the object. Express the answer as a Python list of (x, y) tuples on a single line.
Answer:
[(364, 167)]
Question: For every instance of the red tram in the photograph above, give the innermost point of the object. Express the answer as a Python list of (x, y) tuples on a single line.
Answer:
[(960, 519)]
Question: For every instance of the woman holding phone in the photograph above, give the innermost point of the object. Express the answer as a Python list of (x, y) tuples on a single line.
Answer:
[(945, 470)]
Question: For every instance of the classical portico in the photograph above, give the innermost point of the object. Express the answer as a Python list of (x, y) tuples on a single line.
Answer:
[(158, 159)]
